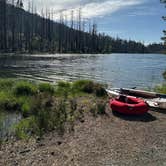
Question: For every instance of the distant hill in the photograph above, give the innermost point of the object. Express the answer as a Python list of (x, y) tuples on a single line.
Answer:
[(26, 31)]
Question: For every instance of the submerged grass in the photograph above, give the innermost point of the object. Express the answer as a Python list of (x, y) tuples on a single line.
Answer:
[(47, 107)]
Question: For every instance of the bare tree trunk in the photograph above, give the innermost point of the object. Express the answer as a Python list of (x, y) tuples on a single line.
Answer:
[(1, 25), (13, 26), (4, 25), (61, 33)]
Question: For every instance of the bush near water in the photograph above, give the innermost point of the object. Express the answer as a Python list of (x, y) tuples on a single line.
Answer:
[(46, 107), (161, 88)]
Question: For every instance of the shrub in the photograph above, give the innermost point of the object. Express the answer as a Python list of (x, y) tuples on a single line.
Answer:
[(1, 126), (42, 108), (98, 108), (88, 86), (73, 104), (6, 84), (43, 121), (101, 107), (49, 116), (84, 86), (47, 88), (24, 88), (93, 109), (8, 102), (99, 90), (60, 116), (25, 128), (26, 108), (64, 84), (63, 88), (161, 88)]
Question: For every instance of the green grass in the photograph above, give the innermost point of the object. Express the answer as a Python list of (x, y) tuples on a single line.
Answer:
[(46, 88), (8, 102), (88, 86), (25, 88), (63, 89), (26, 128), (161, 88), (6, 84), (26, 106), (84, 86), (46, 107)]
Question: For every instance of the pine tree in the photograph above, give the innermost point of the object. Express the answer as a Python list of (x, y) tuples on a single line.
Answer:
[(164, 18)]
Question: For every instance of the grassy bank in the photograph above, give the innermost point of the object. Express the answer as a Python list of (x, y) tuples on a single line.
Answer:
[(162, 88), (46, 107)]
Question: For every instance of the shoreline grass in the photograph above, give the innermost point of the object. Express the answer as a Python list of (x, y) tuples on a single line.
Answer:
[(46, 107), (161, 88)]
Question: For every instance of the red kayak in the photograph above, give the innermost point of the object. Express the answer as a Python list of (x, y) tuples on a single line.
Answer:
[(129, 105)]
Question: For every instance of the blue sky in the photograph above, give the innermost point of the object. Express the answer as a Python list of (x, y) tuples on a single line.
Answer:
[(138, 20), (142, 22)]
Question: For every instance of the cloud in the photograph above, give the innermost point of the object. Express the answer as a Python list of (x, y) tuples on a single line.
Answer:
[(144, 11), (89, 8), (107, 7)]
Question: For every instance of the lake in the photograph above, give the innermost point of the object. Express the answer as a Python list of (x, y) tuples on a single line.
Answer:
[(117, 70), (7, 120)]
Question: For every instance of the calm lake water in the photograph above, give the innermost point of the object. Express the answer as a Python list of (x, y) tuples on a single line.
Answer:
[(118, 70)]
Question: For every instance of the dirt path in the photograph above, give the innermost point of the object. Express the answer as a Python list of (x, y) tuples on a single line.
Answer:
[(102, 141)]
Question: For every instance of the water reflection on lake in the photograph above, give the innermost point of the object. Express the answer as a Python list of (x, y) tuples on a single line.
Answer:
[(119, 70), (7, 122)]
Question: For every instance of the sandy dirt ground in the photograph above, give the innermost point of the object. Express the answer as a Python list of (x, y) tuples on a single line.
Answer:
[(108, 140)]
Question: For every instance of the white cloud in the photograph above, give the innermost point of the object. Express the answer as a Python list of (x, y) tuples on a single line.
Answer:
[(107, 7), (90, 8)]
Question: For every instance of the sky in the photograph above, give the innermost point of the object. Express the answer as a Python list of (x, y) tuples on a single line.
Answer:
[(138, 20)]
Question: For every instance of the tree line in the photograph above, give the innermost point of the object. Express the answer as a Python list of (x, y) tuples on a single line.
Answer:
[(27, 31)]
